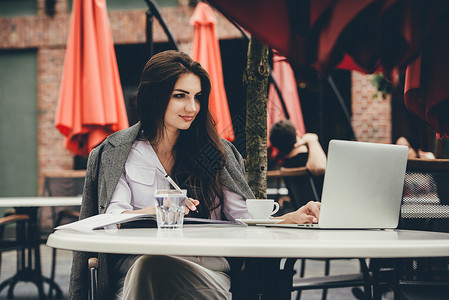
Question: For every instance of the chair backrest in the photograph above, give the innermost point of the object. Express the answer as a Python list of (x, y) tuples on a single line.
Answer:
[(425, 206), (7, 239), (63, 182), (425, 200), (302, 185)]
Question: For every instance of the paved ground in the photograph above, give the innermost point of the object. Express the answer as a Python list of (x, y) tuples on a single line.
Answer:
[(28, 291)]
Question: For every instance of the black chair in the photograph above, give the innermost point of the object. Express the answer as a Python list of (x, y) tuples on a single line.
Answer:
[(15, 239), (304, 187), (425, 206), (276, 190), (93, 279), (61, 183), (361, 279)]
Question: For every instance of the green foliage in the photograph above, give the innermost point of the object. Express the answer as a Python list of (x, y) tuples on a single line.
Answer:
[(383, 86)]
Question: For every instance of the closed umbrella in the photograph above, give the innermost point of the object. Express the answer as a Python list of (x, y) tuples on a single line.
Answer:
[(91, 104), (206, 50), (283, 74)]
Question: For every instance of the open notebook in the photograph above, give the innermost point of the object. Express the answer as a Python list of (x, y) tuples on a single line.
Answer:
[(137, 221)]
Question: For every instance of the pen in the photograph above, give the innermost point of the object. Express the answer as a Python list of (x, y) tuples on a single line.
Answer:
[(173, 183)]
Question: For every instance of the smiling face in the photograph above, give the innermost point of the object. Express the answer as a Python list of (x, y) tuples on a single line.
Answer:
[(184, 104)]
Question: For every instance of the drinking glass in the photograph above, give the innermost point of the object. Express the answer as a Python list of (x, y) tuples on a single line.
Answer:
[(170, 207)]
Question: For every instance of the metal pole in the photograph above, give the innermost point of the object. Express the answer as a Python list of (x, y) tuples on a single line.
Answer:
[(342, 104), (156, 12), (149, 33), (320, 109)]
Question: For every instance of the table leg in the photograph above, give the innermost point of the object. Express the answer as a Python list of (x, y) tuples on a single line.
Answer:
[(25, 272), (383, 276), (261, 278)]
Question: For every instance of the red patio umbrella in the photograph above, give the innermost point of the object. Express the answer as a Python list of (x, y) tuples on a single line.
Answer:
[(285, 78), (365, 35), (91, 104), (206, 50), (307, 32), (426, 90)]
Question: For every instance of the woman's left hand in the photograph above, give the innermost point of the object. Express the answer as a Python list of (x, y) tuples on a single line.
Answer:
[(309, 213)]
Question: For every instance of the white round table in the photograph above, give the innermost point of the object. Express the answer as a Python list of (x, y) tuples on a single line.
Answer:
[(257, 241)]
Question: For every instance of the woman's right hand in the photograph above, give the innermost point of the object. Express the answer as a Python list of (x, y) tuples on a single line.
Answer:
[(151, 210), (191, 205)]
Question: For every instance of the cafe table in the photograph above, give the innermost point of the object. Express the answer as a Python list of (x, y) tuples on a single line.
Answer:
[(26, 270), (265, 244)]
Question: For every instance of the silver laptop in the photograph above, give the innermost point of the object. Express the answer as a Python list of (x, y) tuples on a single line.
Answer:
[(362, 186)]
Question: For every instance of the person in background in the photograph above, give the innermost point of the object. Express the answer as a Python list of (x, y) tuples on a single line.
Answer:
[(417, 185), (298, 150), (175, 135), (414, 147)]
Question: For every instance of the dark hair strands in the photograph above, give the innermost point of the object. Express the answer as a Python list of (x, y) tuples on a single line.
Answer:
[(198, 153), (283, 136)]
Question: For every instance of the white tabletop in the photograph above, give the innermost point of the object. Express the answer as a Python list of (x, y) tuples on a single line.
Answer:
[(255, 241), (39, 201)]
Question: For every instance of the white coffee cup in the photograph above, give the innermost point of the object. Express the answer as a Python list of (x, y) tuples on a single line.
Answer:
[(261, 208)]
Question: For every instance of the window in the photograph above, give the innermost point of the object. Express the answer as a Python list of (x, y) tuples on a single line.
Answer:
[(13, 8), (18, 123), (132, 4)]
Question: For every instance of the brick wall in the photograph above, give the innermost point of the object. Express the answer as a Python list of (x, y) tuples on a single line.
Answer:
[(51, 151), (371, 117)]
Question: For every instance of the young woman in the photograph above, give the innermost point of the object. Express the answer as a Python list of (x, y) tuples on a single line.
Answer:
[(175, 136)]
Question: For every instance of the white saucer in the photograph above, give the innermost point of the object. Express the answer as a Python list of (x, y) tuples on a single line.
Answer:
[(260, 221)]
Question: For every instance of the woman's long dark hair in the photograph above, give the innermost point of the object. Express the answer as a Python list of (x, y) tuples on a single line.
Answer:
[(198, 152)]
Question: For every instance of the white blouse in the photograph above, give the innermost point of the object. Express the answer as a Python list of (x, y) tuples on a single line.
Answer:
[(144, 174)]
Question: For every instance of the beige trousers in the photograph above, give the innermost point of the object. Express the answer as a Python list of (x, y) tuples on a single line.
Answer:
[(158, 277)]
